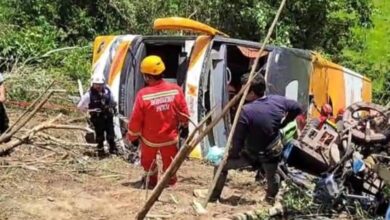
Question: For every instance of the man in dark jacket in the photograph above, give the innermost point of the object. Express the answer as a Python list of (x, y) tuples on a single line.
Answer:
[(257, 139)]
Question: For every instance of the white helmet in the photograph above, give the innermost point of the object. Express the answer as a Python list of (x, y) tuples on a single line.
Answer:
[(97, 79)]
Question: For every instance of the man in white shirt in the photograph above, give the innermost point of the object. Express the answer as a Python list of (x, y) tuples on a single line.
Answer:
[(100, 104)]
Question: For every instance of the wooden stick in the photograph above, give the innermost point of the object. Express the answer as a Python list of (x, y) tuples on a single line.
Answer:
[(28, 109), (68, 127), (56, 141), (67, 150), (7, 136), (236, 117), (44, 146), (10, 145), (159, 216)]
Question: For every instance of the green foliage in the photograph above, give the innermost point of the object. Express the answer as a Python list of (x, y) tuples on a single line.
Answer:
[(26, 42), (31, 28), (26, 87), (297, 201), (74, 63), (371, 54)]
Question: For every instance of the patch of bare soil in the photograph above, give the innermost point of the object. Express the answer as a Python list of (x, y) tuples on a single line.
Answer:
[(53, 182)]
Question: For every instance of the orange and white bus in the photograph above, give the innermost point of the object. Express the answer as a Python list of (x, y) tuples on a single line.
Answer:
[(208, 67)]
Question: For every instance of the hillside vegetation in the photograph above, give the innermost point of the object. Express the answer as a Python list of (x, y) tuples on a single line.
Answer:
[(351, 32), (373, 56)]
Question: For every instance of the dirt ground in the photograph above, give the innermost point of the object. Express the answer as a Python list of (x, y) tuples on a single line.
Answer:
[(58, 182)]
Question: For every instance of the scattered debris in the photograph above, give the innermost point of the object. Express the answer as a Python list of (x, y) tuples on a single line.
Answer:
[(351, 165)]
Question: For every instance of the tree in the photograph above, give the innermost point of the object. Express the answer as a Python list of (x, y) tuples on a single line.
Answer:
[(33, 27)]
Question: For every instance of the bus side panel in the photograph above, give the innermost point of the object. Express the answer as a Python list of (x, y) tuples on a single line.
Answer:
[(338, 86), (318, 86), (357, 87), (110, 59), (196, 66), (118, 62), (335, 89), (367, 91), (100, 45)]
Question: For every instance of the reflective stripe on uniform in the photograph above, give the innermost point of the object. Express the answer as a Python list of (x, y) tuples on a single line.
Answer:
[(133, 133), (163, 144), (160, 94)]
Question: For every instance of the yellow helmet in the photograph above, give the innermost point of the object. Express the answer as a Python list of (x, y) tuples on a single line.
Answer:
[(152, 65)]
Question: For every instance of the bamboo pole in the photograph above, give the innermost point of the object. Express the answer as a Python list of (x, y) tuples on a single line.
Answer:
[(251, 77)]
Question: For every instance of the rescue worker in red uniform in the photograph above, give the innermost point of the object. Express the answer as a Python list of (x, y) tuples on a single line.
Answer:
[(159, 110)]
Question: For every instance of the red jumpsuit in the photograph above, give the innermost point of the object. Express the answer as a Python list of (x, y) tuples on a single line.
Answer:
[(155, 121)]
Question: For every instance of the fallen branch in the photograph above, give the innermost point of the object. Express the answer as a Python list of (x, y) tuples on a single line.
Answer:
[(10, 145), (68, 127), (43, 126), (72, 144), (9, 135), (62, 144), (43, 146), (27, 110), (159, 216)]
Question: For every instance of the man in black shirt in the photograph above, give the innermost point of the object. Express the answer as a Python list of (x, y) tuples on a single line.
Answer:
[(257, 139)]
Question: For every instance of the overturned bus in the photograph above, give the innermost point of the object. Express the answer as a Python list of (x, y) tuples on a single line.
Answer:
[(208, 67)]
